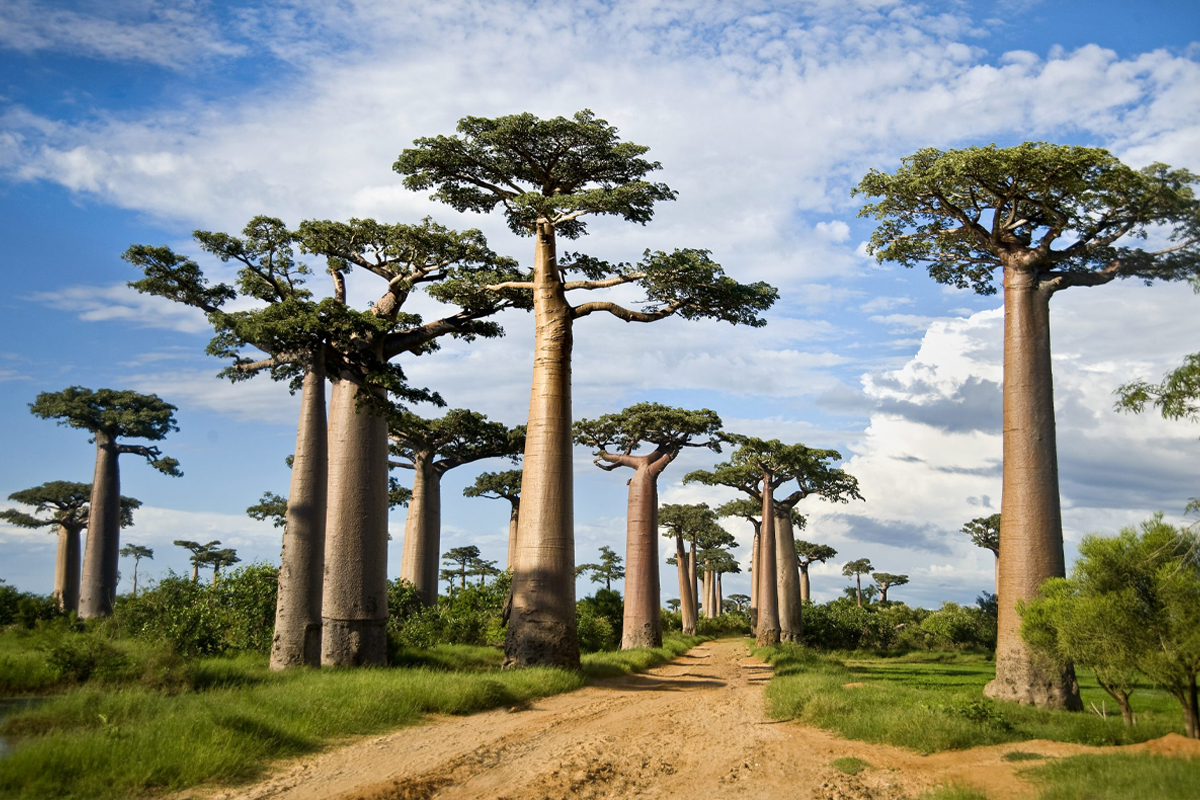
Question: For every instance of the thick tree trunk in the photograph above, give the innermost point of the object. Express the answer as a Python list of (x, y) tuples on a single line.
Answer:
[(102, 557), (695, 579), (1122, 699), (791, 624), (720, 598), (1031, 542), (297, 640), (883, 594), (687, 600), (767, 632), (513, 518), (710, 612), (66, 568), (354, 603), (858, 588), (195, 572), (805, 588), (1191, 709), (754, 579), (542, 628), (423, 530), (642, 623)]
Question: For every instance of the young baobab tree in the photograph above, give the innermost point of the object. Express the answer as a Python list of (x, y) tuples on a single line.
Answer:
[(807, 553), (459, 561), (741, 602), (137, 552), (608, 570), (219, 560), (711, 549), (673, 604), (200, 554), (453, 268), (1050, 217), (856, 569), (482, 568), (757, 463), (501, 486), (109, 415), (718, 562), (885, 581), (614, 440), (985, 533), (548, 175), (431, 448), (686, 522), (67, 504)]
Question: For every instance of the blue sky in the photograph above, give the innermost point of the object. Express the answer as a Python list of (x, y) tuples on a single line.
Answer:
[(139, 121)]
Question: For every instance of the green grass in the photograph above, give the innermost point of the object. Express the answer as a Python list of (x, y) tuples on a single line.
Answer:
[(23, 668), (235, 716), (953, 791), (849, 765), (1021, 755), (934, 705), (626, 662), (1118, 776)]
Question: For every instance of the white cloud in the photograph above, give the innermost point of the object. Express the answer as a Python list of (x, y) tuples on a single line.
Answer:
[(119, 302), (257, 400)]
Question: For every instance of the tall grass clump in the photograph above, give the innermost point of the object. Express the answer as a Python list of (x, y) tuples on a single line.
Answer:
[(626, 662), (1118, 776)]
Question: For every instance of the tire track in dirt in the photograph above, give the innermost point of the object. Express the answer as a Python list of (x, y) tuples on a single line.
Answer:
[(686, 730)]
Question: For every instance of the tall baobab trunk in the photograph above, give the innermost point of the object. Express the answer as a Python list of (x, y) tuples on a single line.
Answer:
[(66, 568), (805, 589), (767, 631), (354, 603), (858, 588), (423, 529), (297, 639), (541, 629), (687, 600), (720, 599), (709, 594), (513, 518), (754, 578), (102, 556), (642, 623), (1031, 541), (694, 578), (791, 625)]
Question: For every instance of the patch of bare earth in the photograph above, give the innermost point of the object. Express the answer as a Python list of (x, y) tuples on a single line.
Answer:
[(689, 729)]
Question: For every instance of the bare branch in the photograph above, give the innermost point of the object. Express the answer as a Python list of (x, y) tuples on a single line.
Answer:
[(620, 312), (616, 280)]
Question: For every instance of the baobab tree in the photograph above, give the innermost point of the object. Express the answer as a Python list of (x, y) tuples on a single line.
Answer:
[(614, 440), (808, 553), (717, 562), (219, 560), (109, 415), (548, 175), (750, 510), (431, 448), (741, 602), (1050, 217), (67, 504), (985, 533), (137, 552), (856, 569), (200, 554), (501, 486), (453, 268), (885, 581), (757, 463), (608, 570), (482, 568), (686, 522), (458, 561)]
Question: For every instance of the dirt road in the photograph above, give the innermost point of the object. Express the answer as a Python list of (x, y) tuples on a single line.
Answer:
[(691, 729)]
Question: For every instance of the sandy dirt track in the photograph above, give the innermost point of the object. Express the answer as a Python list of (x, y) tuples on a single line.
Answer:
[(694, 728)]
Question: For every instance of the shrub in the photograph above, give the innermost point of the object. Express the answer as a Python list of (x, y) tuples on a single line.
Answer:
[(25, 609), (471, 615)]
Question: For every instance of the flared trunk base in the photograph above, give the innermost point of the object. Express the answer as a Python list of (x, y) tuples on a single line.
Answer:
[(354, 643), (285, 654), (1021, 679), (540, 641), (767, 637), (647, 636)]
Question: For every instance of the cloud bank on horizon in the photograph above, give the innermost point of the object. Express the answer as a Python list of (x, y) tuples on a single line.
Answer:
[(164, 117)]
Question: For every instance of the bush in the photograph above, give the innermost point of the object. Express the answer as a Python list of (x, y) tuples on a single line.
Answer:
[(25, 609), (596, 633), (960, 626), (731, 623), (470, 616)]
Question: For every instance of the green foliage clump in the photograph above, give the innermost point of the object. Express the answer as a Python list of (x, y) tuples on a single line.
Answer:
[(25, 609), (849, 765), (599, 621), (1117, 776), (237, 614), (472, 615), (731, 623)]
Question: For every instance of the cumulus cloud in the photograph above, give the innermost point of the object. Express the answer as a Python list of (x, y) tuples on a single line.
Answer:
[(119, 302)]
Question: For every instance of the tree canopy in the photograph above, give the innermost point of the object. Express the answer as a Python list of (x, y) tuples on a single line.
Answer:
[(807, 552), (858, 566), (459, 437), (65, 501), (984, 532), (496, 485), (1066, 212), (114, 414), (667, 429), (608, 570)]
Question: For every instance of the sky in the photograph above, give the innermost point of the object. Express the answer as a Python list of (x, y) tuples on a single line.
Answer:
[(138, 121)]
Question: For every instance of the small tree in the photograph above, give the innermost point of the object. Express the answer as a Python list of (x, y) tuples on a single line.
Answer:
[(137, 552), (807, 553), (67, 504), (219, 560), (885, 581), (109, 415), (547, 175), (200, 553), (985, 533), (482, 568), (614, 440), (608, 570), (687, 521), (270, 507), (460, 560), (741, 602), (1050, 217), (501, 486), (856, 569), (431, 448)]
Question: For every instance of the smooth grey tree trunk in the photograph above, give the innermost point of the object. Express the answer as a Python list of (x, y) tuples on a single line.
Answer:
[(791, 623), (423, 530), (98, 588), (688, 611), (767, 631), (66, 568), (1031, 541), (297, 640), (642, 623)]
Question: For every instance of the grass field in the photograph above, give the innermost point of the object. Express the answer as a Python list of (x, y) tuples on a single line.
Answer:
[(929, 703), (237, 716)]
